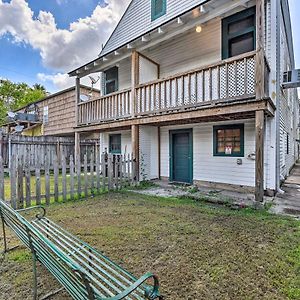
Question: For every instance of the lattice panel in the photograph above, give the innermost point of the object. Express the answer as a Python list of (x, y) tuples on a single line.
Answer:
[(199, 87), (251, 75), (214, 84), (186, 99), (207, 85), (231, 81), (193, 89), (173, 100), (240, 78), (223, 82)]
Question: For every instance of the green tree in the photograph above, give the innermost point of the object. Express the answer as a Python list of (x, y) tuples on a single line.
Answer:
[(15, 95)]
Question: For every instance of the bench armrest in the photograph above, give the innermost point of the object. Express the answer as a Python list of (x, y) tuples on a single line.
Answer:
[(151, 294), (38, 216)]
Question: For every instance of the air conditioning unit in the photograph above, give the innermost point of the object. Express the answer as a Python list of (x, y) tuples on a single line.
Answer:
[(291, 79)]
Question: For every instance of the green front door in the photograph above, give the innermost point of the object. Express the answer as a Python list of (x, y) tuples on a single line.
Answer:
[(181, 156)]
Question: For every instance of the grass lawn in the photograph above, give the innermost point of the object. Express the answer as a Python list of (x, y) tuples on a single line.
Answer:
[(198, 251)]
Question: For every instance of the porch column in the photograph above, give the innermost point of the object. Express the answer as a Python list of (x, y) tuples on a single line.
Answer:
[(135, 149), (77, 146), (259, 155), (134, 79)]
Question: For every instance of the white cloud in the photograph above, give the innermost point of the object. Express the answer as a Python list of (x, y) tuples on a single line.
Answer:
[(60, 49)]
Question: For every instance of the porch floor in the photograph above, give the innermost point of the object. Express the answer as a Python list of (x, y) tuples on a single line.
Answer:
[(289, 202), (163, 188)]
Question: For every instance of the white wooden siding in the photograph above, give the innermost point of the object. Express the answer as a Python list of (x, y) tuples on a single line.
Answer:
[(148, 71), (288, 108), (189, 51), (137, 20), (207, 167), (148, 152)]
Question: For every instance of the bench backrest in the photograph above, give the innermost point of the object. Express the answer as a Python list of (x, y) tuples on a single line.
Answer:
[(82, 270)]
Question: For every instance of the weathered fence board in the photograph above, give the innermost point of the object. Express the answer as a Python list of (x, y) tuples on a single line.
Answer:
[(38, 146), (40, 185)]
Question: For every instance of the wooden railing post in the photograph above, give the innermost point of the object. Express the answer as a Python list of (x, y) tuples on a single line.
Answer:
[(134, 80), (260, 41)]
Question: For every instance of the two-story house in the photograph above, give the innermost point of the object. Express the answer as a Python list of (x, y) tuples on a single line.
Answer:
[(193, 89)]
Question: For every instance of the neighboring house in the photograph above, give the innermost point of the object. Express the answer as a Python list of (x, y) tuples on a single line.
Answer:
[(193, 89), (53, 115)]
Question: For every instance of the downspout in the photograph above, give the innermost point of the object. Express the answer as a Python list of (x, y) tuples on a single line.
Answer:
[(278, 92)]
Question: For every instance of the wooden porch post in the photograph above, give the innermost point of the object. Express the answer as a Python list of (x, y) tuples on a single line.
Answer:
[(134, 79), (135, 148), (260, 42), (259, 155)]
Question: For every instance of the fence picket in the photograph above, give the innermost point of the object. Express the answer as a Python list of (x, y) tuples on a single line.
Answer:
[(78, 166), (98, 172), (64, 177), (38, 183), (27, 180), (2, 190), (20, 192), (71, 177), (85, 167), (56, 173), (92, 172), (47, 177)]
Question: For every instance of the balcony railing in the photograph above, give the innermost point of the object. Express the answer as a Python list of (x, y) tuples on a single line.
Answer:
[(111, 107), (230, 79)]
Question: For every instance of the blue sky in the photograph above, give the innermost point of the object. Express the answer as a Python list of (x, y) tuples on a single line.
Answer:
[(20, 62), (42, 47)]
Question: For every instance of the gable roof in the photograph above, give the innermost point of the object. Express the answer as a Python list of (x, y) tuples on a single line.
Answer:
[(136, 21)]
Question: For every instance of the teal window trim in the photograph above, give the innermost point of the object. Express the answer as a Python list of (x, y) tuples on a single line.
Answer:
[(242, 140), (160, 14), (171, 158), (116, 80), (119, 141), (226, 37)]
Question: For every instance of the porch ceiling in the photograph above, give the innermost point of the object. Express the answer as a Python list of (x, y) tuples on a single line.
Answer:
[(169, 30), (216, 112)]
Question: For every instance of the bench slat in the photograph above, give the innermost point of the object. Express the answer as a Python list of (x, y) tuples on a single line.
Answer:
[(82, 270), (59, 239)]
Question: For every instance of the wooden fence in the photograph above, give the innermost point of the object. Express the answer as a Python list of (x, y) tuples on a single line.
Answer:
[(24, 186), (37, 147)]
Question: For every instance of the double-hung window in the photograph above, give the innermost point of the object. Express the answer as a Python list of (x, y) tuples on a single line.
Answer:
[(115, 143), (228, 140), (158, 8), (239, 33), (111, 79)]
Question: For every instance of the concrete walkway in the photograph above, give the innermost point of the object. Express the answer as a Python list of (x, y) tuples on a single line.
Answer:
[(289, 202)]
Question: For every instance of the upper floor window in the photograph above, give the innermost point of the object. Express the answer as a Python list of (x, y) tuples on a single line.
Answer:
[(238, 33), (158, 8), (111, 79)]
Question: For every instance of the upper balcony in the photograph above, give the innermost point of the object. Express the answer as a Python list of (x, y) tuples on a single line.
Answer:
[(190, 63), (222, 82)]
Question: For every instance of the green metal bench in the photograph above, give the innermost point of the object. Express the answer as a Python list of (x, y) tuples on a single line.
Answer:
[(82, 271)]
